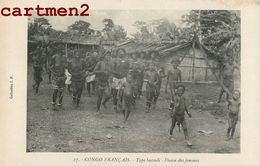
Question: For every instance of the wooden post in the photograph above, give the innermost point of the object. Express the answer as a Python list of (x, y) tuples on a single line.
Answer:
[(206, 74), (66, 50), (193, 62)]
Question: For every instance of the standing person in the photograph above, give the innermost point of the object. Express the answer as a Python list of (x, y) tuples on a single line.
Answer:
[(102, 71), (128, 94), (233, 111), (37, 68), (161, 75), (91, 60), (68, 75), (227, 78), (173, 78), (119, 69), (57, 68), (115, 63), (77, 69), (166, 80), (49, 52), (140, 74), (151, 78), (178, 112)]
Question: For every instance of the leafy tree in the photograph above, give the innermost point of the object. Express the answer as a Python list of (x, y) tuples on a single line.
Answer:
[(119, 32), (142, 33), (40, 26), (108, 24), (219, 31), (112, 31), (164, 29), (81, 28)]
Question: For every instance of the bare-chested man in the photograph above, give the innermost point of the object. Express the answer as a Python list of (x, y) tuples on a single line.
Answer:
[(91, 60), (227, 78), (119, 69), (77, 69), (102, 71), (128, 94), (57, 68), (151, 78), (173, 78), (37, 67), (140, 66)]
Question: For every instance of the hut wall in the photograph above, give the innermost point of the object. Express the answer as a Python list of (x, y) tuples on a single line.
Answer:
[(193, 65)]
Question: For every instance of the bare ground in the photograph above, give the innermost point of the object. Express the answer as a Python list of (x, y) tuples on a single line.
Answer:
[(81, 130)]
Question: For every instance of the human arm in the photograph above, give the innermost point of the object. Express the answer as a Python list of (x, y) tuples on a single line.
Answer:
[(186, 109)]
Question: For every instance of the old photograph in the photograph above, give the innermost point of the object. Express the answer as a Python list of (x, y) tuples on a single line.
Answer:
[(134, 81)]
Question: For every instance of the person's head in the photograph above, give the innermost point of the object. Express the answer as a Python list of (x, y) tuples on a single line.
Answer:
[(95, 54), (236, 95), (129, 76), (175, 64), (180, 90), (142, 55), (151, 66), (120, 53), (154, 54), (107, 58), (77, 55), (87, 54), (134, 56), (230, 61)]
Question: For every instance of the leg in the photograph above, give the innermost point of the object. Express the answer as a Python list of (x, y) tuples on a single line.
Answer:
[(185, 130), (120, 98), (88, 88), (93, 83), (37, 85), (107, 96), (156, 96), (229, 127), (79, 93), (54, 98), (172, 125), (100, 92), (148, 99), (233, 128), (74, 93), (114, 95), (127, 107), (166, 86), (60, 97)]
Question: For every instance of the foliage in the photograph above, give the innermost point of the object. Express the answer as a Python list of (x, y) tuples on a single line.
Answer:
[(113, 32), (219, 31), (40, 26), (80, 27)]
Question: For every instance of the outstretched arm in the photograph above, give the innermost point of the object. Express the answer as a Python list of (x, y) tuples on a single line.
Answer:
[(186, 109)]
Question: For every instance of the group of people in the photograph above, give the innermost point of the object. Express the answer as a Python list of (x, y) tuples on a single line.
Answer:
[(120, 78)]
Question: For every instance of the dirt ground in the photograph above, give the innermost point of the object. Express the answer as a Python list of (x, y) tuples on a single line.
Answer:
[(81, 130)]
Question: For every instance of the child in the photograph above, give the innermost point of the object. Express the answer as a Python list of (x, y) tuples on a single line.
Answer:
[(233, 108), (178, 112)]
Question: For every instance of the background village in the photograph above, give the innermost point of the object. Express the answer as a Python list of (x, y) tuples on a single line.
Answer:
[(203, 42)]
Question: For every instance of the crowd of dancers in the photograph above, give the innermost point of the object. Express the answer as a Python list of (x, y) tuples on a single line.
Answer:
[(120, 77)]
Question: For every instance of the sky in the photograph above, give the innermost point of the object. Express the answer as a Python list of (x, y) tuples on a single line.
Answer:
[(126, 18)]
